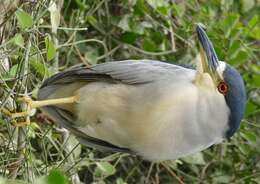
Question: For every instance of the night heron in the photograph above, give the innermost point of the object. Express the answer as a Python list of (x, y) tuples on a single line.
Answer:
[(150, 108)]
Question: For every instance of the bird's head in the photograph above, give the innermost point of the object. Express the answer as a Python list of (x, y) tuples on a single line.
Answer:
[(227, 80)]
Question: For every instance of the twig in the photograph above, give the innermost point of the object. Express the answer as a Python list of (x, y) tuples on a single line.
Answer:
[(82, 59), (130, 172), (56, 58), (149, 173), (66, 28), (204, 170), (172, 37), (68, 155), (143, 51), (96, 8), (69, 151), (21, 140), (83, 41), (109, 52), (54, 34), (150, 53), (173, 174)]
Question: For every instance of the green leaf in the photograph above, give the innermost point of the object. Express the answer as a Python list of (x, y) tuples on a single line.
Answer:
[(244, 148), (148, 45), (196, 158), (255, 67), (140, 8), (249, 136), (229, 23), (240, 58), (234, 49), (157, 37), (219, 49), (250, 108), (163, 10), (92, 20), (253, 21), (81, 5), (255, 33), (106, 168), (124, 23), (18, 40), (50, 49), (13, 70), (235, 32), (257, 80), (24, 19), (129, 37), (91, 57), (56, 176), (39, 67)]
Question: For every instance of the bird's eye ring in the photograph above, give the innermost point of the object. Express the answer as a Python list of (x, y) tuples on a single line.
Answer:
[(223, 88)]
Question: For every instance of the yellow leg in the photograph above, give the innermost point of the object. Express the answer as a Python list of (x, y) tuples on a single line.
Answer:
[(15, 115), (24, 123), (6, 112), (35, 104)]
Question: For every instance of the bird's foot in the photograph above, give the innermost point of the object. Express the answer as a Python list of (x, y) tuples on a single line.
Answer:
[(30, 105), (25, 115)]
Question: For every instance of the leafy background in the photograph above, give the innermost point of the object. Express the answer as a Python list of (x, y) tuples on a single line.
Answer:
[(40, 38)]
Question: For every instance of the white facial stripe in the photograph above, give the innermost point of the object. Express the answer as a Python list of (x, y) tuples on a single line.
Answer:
[(221, 68)]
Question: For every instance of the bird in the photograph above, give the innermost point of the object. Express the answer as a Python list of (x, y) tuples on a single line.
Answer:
[(157, 110)]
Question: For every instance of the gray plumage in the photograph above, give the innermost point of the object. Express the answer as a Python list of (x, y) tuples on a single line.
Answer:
[(157, 110), (136, 92)]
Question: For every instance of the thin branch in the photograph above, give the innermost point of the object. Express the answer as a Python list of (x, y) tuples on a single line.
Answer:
[(172, 174), (66, 28), (21, 140), (150, 53)]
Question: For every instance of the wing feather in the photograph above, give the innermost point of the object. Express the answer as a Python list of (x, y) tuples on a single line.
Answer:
[(128, 71)]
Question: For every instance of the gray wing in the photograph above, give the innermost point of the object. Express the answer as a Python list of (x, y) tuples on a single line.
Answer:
[(128, 71), (132, 72)]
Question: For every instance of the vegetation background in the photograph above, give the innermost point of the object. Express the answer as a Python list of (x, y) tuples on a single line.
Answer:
[(40, 37)]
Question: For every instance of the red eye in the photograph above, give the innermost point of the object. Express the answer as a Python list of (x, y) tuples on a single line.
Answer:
[(223, 88)]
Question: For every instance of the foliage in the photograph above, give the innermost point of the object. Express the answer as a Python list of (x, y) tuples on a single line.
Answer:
[(40, 38)]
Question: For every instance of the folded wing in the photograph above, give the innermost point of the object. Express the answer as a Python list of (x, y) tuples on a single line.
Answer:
[(129, 72)]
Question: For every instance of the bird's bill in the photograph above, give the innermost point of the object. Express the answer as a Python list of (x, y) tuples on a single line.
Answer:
[(209, 57)]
